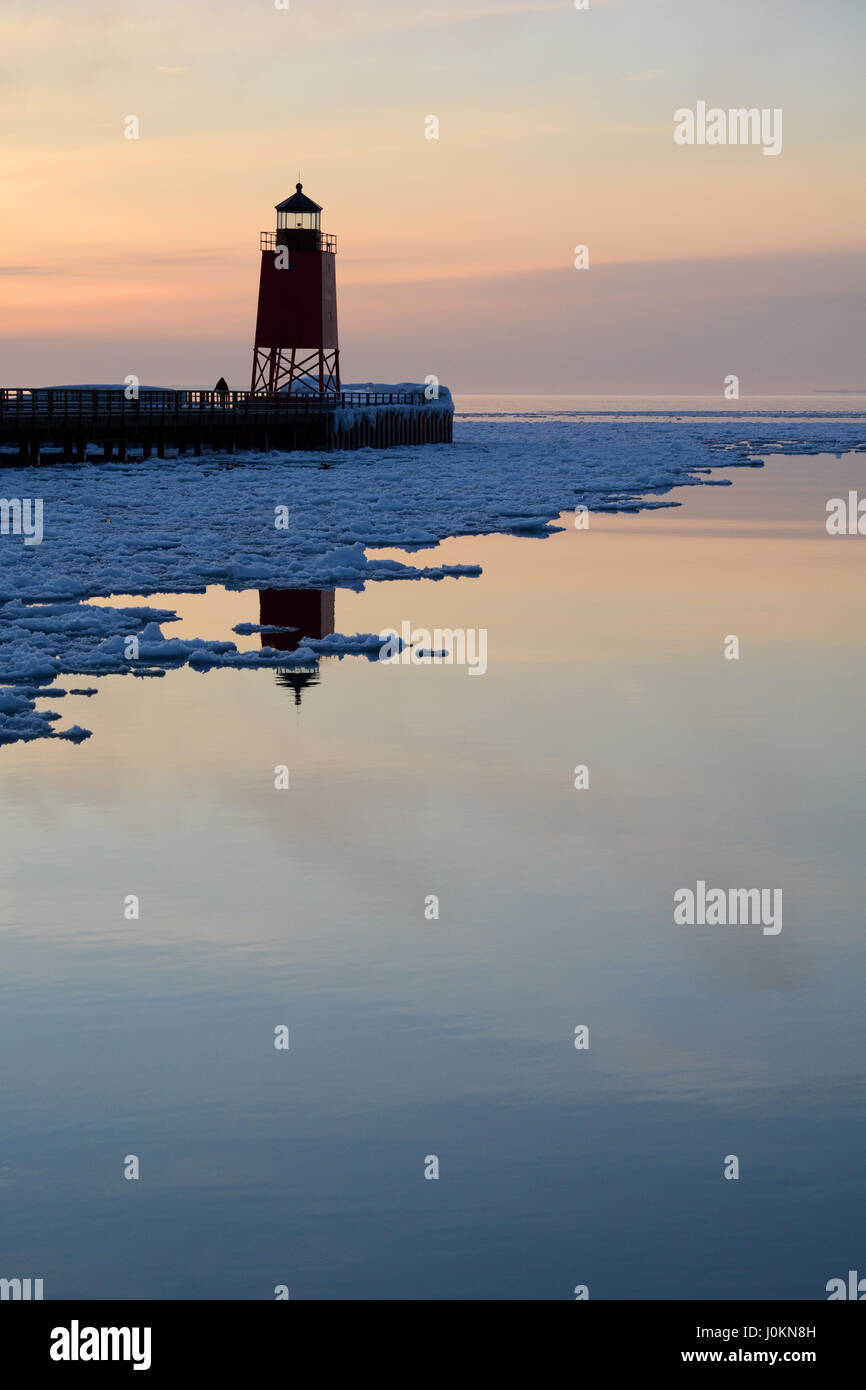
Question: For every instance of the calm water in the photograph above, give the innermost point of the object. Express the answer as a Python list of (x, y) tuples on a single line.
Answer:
[(454, 1037), (838, 403)]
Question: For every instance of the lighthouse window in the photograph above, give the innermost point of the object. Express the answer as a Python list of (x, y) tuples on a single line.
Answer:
[(298, 221)]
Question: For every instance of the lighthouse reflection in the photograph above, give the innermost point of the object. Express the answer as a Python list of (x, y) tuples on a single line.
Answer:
[(303, 613)]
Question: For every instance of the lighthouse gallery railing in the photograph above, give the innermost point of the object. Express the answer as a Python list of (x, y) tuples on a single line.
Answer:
[(318, 241)]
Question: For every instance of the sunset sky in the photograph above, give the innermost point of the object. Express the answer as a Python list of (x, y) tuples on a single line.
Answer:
[(455, 255)]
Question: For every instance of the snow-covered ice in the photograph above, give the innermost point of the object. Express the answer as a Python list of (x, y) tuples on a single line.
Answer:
[(179, 525)]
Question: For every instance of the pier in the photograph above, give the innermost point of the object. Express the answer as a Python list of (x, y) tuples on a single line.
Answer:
[(54, 424)]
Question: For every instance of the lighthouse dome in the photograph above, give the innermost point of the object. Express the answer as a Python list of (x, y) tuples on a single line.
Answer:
[(299, 202), (299, 213)]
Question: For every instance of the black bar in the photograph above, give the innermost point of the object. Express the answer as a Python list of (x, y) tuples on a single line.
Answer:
[(604, 1338)]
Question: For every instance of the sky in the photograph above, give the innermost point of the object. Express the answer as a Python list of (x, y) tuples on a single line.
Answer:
[(456, 254)]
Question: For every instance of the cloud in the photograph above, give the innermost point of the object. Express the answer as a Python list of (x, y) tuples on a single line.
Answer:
[(172, 258), (26, 270)]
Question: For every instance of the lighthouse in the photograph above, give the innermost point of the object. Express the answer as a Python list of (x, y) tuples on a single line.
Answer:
[(296, 347)]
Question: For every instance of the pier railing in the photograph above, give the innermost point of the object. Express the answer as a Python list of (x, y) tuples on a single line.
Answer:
[(56, 405)]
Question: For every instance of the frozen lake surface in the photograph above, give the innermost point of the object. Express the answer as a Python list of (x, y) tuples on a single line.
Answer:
[(315, 521), (453, 1036)]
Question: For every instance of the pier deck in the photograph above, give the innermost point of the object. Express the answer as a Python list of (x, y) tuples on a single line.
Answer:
[(59, 423)]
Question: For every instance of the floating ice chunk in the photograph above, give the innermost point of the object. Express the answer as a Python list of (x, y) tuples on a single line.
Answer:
[(194, 523), (247, 629), (336, 643)]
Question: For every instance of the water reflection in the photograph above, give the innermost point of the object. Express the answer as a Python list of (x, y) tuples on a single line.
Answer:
[(601, 1166), (303, 613)]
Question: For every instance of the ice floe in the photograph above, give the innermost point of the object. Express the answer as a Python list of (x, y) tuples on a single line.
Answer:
[(179, 525)]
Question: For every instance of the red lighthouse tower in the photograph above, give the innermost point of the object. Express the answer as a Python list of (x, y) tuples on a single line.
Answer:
[(296, 328)]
